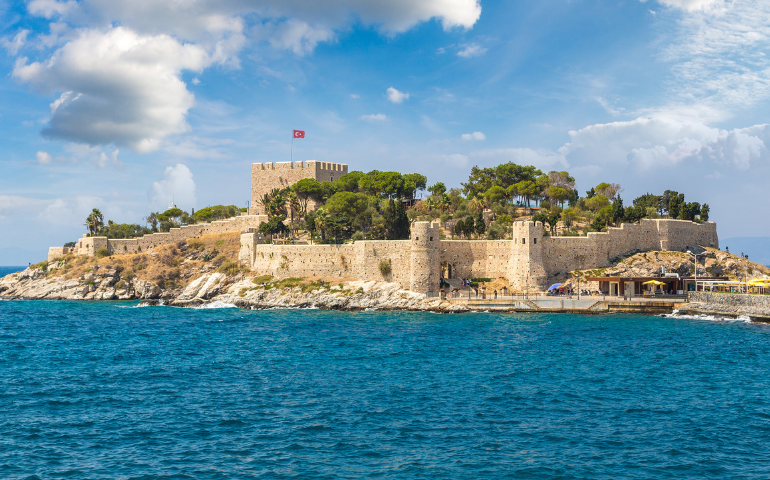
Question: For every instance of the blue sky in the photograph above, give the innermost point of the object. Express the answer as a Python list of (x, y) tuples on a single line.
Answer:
[(122, 105)]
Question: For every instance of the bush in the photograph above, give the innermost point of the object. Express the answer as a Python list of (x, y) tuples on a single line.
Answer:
[(357, 236), (230, 268), (102, 252), (219, 260), (195, 243), (262, 279), (385, 268)]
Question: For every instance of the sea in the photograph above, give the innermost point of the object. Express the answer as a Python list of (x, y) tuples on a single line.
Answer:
[(114, 390), (8, 270)]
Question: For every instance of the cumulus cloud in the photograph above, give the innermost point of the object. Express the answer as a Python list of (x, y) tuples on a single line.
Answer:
[(650, 143), (43, 158), (70, 210), (543, 159), (117, 87), (122, 84), (395, 96), (473, 136), (471, 50), (176, 186), (374, 117)]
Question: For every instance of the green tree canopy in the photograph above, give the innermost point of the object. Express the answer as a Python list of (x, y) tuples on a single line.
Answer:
[(349, 203), (348, 182), (310, 189)]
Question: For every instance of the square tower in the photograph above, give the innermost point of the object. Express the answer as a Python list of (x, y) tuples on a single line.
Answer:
[(267, 176)]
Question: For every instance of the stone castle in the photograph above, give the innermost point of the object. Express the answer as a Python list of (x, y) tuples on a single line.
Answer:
[(267, 176), (530, 261)]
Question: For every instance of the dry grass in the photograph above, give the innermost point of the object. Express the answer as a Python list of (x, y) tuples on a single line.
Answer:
[(166, 265)]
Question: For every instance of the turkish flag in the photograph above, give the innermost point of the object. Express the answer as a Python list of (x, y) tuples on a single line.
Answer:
[(299, 134)]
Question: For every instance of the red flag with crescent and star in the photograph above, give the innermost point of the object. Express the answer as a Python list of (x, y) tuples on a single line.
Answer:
[(299, 134)]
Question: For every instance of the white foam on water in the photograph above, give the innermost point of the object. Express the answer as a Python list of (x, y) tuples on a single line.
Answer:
[(214, 305), (710, 318)]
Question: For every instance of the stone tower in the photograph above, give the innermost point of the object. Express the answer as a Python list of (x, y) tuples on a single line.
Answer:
[(267, 176), (425, 259), (527, 269)]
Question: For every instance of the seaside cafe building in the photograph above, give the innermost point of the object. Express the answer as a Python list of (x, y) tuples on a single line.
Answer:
[(656, 285)]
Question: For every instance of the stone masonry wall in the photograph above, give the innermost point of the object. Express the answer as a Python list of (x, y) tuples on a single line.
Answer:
[(89, 245), (267, 176), (529, 261), (731, 300)]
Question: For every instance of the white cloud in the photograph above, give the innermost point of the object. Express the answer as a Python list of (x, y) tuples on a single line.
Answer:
[(355, 96), (177, 185), (50, 8), (473, 136), (122, 84), (609, 107), (118, 87), (543, 159), (71, 210), (43, 158), (12, 205), (13, 46), (691, 5), (299, 37), (718, 55), (374, 117), (471, 50), (395, 96)]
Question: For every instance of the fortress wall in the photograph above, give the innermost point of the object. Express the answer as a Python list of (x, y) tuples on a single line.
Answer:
[(467, 257), (58, 252), (133, 245), (359, 260), (267, 176), (564, 254), (683, 234)]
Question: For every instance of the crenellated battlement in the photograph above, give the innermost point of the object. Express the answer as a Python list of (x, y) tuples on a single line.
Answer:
[(313, 165)]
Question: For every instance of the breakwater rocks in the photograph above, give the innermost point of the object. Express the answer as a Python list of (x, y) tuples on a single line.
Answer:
[(33, 284), (756, 307)]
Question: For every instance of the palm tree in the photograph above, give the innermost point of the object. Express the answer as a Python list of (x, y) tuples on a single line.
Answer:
[(95, 221)]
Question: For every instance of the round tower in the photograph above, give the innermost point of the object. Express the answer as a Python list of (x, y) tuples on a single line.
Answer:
[(425, 261)]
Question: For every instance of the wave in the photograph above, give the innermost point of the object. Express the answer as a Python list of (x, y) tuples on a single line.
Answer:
[(710, 318), (214, 305)]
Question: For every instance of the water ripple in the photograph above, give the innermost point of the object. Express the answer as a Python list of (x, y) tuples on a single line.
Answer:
[(100, 391)]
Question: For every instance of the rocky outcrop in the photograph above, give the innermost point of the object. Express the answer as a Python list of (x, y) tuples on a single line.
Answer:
[(37, 284), (218, 287)]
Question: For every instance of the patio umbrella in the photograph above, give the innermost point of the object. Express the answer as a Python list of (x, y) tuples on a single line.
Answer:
[(653, 282), (554, 286)]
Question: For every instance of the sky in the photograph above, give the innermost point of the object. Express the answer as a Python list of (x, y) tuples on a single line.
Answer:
[(124, 106)]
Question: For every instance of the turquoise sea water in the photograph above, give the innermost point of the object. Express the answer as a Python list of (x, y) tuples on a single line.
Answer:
[(8, 270), (106, 391)]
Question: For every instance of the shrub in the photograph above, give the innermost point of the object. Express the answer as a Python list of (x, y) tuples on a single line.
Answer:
[(102, 252), (385, 268), (357, 236), (219, 260), (195, 243), (230, 268), (262, 279), (120, 285)]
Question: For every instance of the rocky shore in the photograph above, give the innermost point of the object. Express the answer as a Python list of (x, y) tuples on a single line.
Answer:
[(238, 290)]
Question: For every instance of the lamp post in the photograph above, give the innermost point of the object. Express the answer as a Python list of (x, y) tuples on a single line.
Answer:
[(696, 255)]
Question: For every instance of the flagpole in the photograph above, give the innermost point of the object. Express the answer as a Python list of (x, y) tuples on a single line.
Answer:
[(292, 147)]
